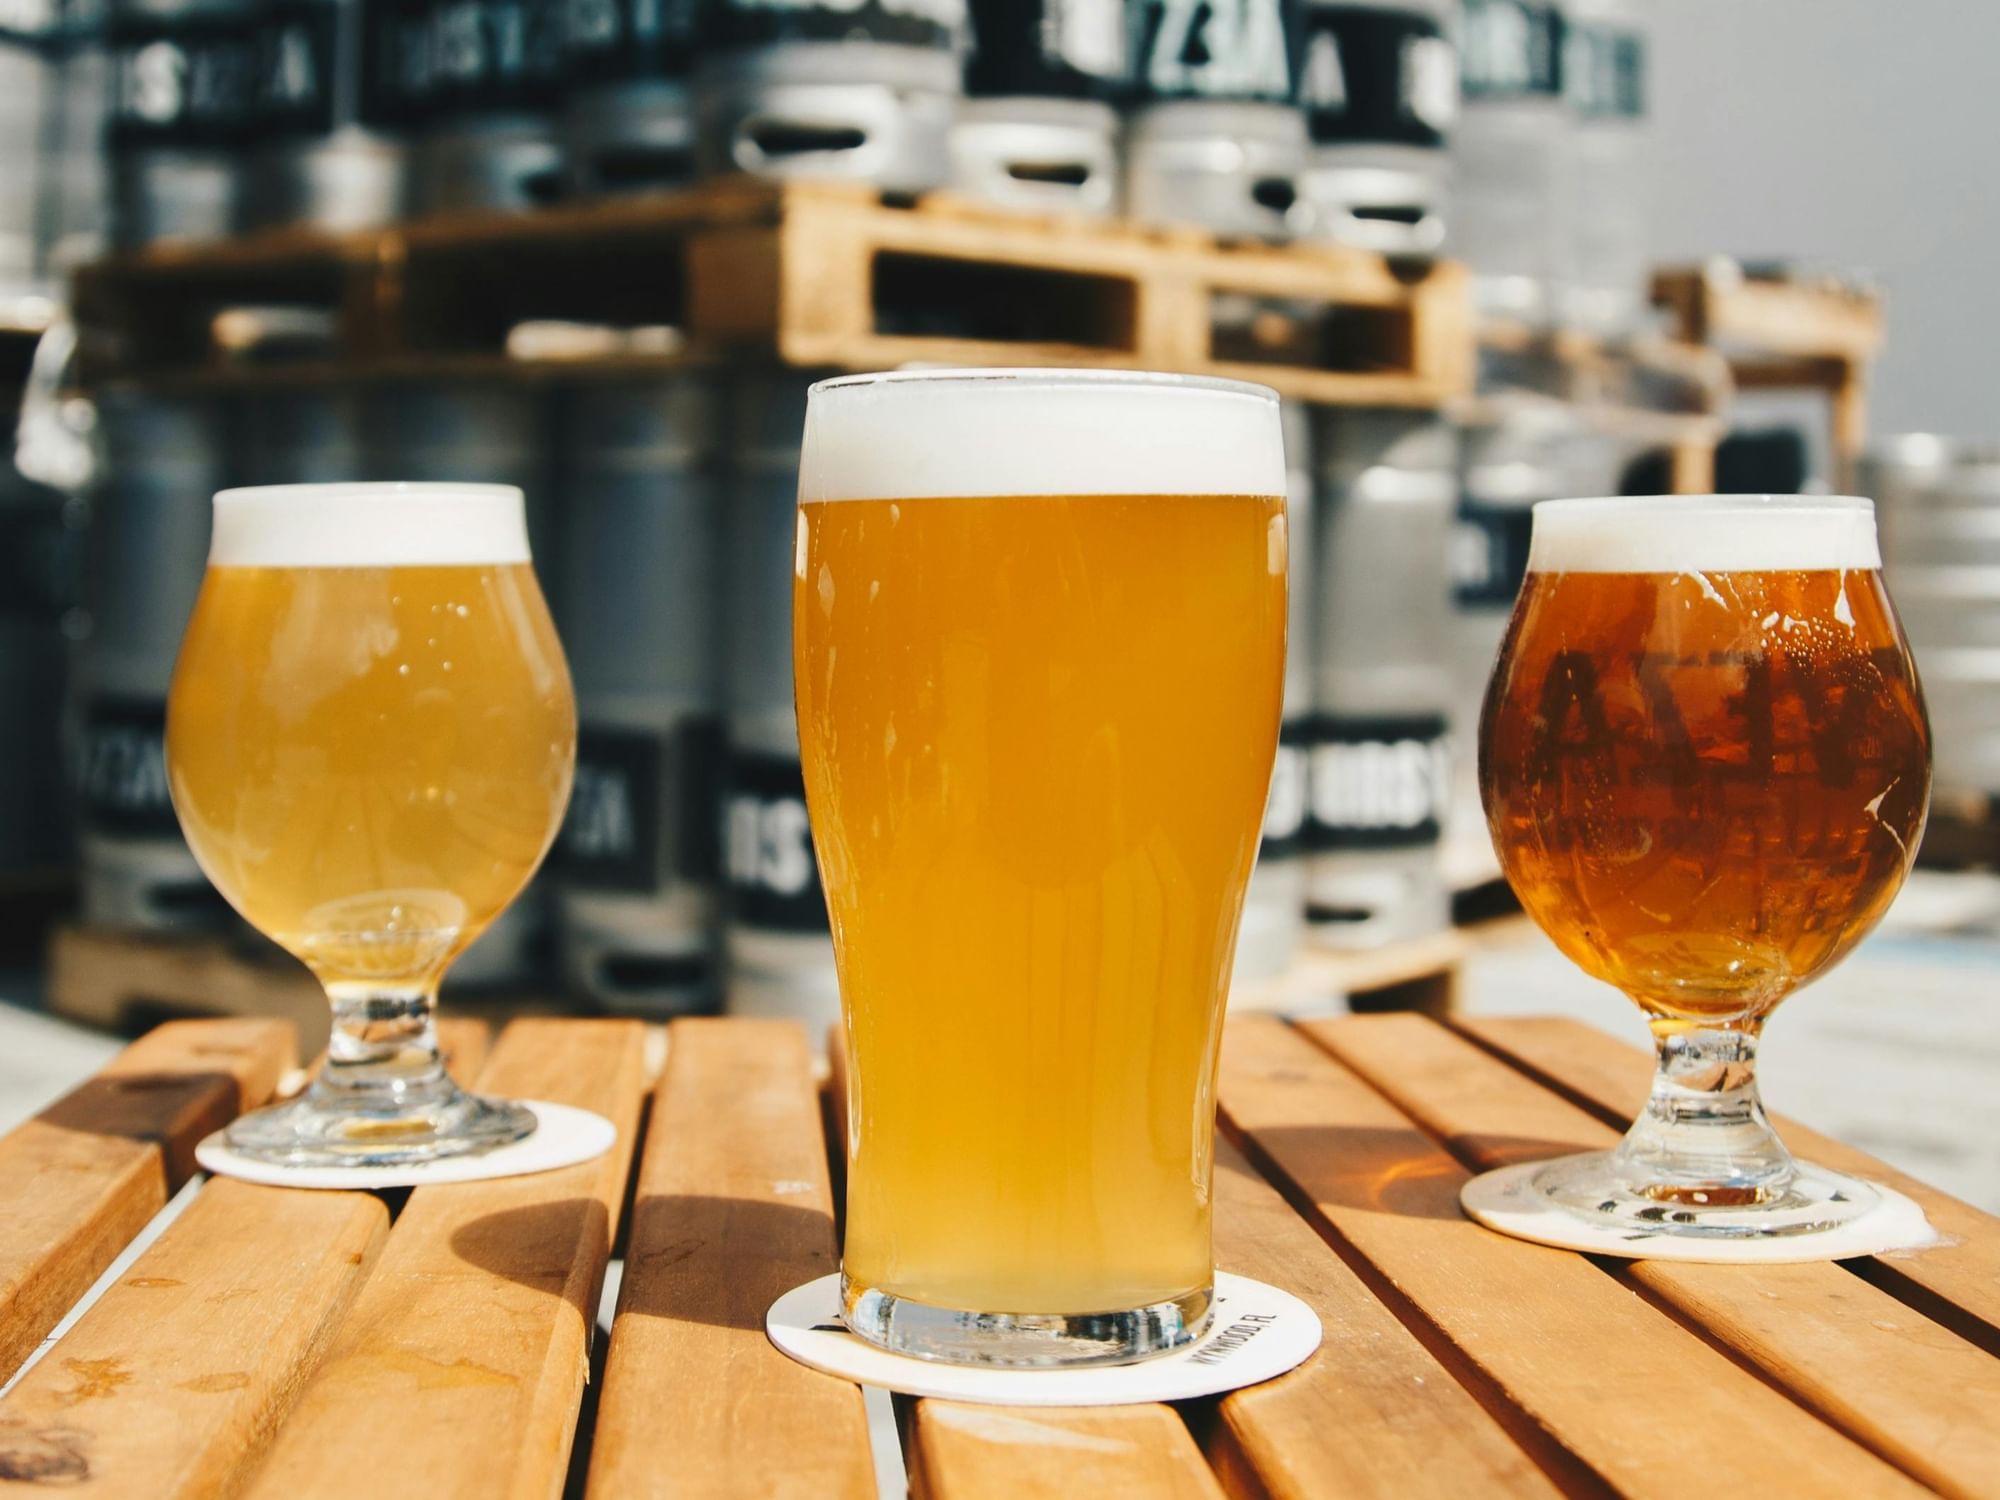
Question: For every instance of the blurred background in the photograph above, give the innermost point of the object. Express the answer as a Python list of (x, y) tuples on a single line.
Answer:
[(1491, 252)]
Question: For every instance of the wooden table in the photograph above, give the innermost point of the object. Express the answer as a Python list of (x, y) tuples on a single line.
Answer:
[(304, 1344)]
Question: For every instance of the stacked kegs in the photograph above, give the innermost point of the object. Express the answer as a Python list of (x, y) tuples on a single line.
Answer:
[(828, 88), (1215, 137), (1380, 765), (636, 860), (1379, 86), (38, 597), (325, 153), (628, 120), (1038, 128), (182, 85), (780, 952), (149, 548), (494, 75), (1604, 64), (1510, 207)]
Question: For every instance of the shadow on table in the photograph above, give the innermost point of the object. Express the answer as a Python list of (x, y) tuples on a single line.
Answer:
[(1380, 1171), (171, 1110)]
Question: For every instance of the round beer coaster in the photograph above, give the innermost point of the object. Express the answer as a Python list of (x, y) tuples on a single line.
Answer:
[(1502, 1200), (563, 1137), (1256, 1332)]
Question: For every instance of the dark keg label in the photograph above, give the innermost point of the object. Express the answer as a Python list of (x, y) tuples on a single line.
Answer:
[(1285, 809), (1489, 553), (182, 81), (298, 69), (1605, 69), (608, 40), (937, 24), (642, 810), (1216, 49), (1373, 76), (1378, 782), (767, 850), (397, 69), (1513, 49), (41, 562), (493, 56), (123, 781), (1060, 48)]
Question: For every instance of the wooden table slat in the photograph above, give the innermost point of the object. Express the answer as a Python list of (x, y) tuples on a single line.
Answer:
[(958, 1451), (171, 1385), (1914, 1392), (86, 1174), (733, 1210), (1608, 1380), (1957, 1283), (464, 1358)]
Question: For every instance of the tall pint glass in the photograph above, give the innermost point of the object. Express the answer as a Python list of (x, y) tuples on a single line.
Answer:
[(1039, 636)]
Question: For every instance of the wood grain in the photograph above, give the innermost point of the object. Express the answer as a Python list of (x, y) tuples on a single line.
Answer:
[(1916, 1393), (733, 1210), (1613, 1383), (171, 1385), (1956, 1283), (963, 1452), (460, 1369), (84, 1176)]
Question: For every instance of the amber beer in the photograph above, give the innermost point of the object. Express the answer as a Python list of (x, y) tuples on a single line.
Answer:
[(1039, 628), (1705, 773)]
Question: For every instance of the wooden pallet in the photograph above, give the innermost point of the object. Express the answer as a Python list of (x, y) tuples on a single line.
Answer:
[(243, 1350), (821, 275)]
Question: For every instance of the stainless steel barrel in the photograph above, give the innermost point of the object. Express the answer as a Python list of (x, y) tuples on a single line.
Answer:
[(164, 459), (780, 953), (823, 88), (183, 82), (1037, 130), (636, 862), (1379, 772), (1379, 85), (1604, 66), (310, 435), (488, 137), (628, 116)]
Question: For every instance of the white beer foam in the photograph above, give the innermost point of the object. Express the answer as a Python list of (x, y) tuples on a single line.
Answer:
[(924, 434), (1704, 534), (368, 526)]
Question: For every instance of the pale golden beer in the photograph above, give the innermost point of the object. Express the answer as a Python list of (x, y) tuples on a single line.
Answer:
[(1037, 726), (370, 739)]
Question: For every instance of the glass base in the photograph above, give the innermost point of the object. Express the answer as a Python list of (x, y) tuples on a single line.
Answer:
[(1607, 1189), (1023, 1340), (318, 1129)]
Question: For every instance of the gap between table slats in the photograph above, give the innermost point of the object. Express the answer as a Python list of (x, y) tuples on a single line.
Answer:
[(86, 1174), (460, 1369), (1634, 1397)]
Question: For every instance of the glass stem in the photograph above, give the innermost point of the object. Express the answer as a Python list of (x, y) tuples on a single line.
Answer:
[(383, 1053), (1703, 1137)]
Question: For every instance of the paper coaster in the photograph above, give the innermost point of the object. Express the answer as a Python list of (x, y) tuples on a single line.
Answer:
[(563, 1137), (1256, 1332), (1503, 1200)]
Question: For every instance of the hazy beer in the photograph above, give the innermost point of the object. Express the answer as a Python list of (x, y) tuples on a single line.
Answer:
[(1039, 626)]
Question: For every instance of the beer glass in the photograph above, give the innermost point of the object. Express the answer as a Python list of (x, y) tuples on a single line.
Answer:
[(1705, 763), (1039, 639), (370, 738)]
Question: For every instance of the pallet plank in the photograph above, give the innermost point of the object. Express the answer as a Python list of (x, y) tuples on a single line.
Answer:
[(171, 1385), (733, 1209), (1593, 1371), (963, 1452), (1916, 1393), (84, 1176), (1957, 1282), (470, 1342), (1372, 1413)]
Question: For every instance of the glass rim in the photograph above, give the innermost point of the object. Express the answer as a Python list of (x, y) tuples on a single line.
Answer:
[(1050, 376), (1752, 504), (374, 489)]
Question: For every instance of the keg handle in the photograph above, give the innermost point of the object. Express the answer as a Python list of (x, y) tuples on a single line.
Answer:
[(766, 141), (55, 437)]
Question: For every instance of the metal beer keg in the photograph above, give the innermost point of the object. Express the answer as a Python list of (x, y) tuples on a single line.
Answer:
[(182, 86), (327, 153), (310, 435), (1379, 86), (1604, 67), (636, 861), (1380, 766), (488, 137), (1215, 136), (628, 119), (828, 88), (27, 95), (148, 549), (77, 189), (1038, 130), (780, 951), (39, 536)]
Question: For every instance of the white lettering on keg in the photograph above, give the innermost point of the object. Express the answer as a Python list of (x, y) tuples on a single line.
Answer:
[(767, 850), (154, 83), (1323, 81), (122, 775), (1217, 49), (1286, 807), (1378, 782), (291, 77), (1430, 81), (600, 824), (1489, 553), (770, 845), (1087, 35)]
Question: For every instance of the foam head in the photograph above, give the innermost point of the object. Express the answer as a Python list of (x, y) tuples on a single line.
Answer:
[(368, 526), (954, 433), (1704, 534)]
